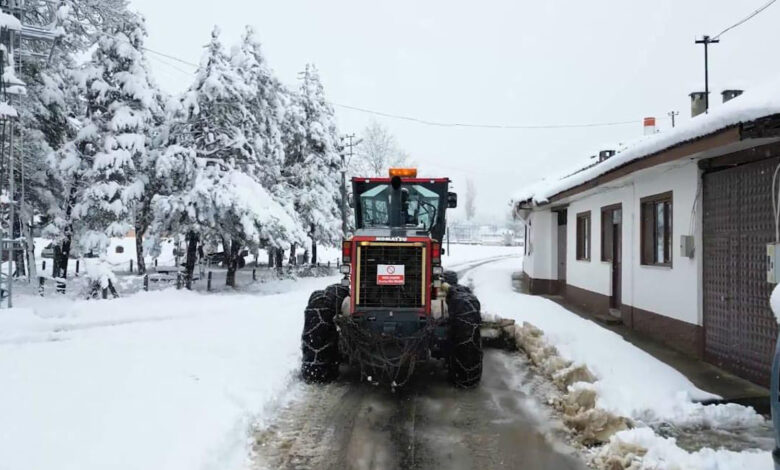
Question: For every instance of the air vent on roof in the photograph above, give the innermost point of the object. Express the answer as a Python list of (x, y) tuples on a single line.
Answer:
[(606, 155), (730, 94), (698, 103)]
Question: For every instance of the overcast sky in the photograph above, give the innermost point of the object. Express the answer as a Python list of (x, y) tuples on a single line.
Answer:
[(488, 62)]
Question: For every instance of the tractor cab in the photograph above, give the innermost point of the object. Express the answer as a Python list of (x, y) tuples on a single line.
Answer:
[(402, 205)]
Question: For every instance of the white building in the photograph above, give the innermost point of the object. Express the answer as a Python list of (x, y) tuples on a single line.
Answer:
[(670, 235)]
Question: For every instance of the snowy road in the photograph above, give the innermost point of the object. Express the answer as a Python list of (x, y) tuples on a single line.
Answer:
[(428, 425)]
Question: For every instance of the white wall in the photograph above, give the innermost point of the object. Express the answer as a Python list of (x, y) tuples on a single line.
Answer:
[(541, 262), (671, 291)]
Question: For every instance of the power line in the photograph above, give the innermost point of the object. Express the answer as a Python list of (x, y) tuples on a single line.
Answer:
[(437, 123), (174, 67), (168, 56), (745, 20), (483, 126)]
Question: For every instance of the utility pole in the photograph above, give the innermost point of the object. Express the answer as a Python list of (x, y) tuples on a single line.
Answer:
[(348, 144), (706, 40), (673, 114)]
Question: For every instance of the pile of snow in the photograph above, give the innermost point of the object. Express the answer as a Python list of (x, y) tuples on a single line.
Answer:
[(753, 104), (610, 391), (641, 448), (629, 382)]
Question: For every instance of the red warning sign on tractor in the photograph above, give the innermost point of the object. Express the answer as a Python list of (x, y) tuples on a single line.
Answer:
[(390, 275)]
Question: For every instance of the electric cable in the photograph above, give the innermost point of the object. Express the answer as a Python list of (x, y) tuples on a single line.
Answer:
[(745, 20)]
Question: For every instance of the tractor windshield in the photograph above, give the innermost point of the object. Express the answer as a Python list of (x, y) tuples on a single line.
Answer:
[(419, 206)]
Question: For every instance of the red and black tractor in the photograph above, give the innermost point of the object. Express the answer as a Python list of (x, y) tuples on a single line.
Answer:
[(396, 305)]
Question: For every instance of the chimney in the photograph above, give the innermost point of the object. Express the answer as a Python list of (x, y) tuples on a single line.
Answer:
[(698, 104), (649, 125), (606, 155), (730, 94)]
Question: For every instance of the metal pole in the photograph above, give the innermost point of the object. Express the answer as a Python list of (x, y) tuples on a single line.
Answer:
[(706, 75), (343, 196), (673, 114), (707, 41), (11, 251)]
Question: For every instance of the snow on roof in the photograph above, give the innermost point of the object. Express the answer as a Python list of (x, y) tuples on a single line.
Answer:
[(10, 22), (753, 104)]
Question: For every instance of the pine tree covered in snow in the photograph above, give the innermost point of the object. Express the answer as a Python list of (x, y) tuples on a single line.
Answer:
[(116, 144), (312, 167), (224, 200), (52, 113)]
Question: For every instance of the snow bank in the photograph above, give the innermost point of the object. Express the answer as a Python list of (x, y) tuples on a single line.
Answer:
[(641, 448), (753, 104), (629, 382), (612, 392), (169, 379)]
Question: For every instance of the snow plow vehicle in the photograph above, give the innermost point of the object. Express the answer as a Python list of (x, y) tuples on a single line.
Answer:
[(396, 305)]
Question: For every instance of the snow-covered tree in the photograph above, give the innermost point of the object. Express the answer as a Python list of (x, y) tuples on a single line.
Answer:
[(312, 165), (122, 105), (52, 111), (224, 199)]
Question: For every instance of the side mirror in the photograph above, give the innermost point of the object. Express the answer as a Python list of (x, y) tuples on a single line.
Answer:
[(452, 200)]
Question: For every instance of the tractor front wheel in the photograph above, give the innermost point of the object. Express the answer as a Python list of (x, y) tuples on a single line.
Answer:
[(465, 358), (320, 338)]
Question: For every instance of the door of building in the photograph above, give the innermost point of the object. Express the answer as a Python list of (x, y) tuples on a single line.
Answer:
[(739, 328), (562, 214), (562, 220), (617, 257)]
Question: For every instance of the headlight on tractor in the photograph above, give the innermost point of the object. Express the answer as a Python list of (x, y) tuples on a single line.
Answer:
[(345, 269), (438, 270)]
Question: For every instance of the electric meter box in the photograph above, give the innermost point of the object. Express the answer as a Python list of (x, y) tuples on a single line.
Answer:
[(772, 260), (687, 246)]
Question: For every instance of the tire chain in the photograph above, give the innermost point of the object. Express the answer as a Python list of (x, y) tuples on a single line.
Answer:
[(465, 336), (319, 341)]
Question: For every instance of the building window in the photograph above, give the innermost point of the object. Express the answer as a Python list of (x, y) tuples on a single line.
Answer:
[(657, 230), (610, 216), (583, 236)]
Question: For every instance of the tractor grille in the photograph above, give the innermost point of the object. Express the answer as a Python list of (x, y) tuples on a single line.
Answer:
[(410, 294)]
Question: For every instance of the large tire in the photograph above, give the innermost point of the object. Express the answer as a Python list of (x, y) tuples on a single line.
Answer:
[(465, 348), (450, 277), (319, 341)]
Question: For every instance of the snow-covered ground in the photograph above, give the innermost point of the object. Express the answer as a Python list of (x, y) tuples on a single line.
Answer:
[(157, 380), (629, 383)]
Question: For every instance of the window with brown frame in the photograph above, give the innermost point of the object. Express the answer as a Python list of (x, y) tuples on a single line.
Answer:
[(657, 232), (583, 236), (608, 221)]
